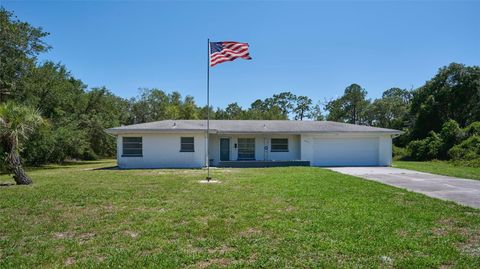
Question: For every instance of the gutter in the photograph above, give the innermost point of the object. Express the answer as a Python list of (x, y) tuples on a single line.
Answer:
[(213, 131)]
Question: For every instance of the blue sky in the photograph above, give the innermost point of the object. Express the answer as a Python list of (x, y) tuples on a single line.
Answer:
[(309, 48)]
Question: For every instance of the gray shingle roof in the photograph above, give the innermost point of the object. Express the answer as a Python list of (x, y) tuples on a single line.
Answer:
[(249, 126)]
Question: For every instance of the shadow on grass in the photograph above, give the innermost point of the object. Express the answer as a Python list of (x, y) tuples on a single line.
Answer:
[(63, 165), (106, 168)]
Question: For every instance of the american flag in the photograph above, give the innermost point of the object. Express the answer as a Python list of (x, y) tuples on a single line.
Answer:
[(227, 51)]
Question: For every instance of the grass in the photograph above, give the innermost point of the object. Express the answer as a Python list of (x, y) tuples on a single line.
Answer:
[(440, 168), (81, 216)]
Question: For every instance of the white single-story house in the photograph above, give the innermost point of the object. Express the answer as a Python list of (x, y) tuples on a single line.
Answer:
[(239, 143)]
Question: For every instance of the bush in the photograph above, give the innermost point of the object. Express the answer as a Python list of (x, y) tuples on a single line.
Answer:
[(399, 153), (55, 145), (89, 155), (425, 149), (472, 129), (450, 134), (469, 149), (471, 163)]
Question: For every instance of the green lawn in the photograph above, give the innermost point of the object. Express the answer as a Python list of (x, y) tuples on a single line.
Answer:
[(440, 168), (275, 217)]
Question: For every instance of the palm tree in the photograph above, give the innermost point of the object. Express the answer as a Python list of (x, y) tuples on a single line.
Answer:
[(17, 122)]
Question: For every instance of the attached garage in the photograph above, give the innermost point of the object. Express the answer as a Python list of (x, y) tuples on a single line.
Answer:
[(345, 151)]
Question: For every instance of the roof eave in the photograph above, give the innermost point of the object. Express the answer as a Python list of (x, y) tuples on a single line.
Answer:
[(114, 131), (153, 131)]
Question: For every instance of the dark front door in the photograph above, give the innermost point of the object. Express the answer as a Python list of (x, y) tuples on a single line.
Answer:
[(224, 149)]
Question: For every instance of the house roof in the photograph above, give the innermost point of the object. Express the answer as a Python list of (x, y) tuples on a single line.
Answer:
[(249, 126)]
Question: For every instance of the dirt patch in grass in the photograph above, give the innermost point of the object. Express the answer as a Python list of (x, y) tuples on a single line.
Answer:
[(250, 232), (252, 258), (445, 226), (149, 209), (221, 250), (84, 237), (69, 261), (472, 245), (203, 220), (132, 234), (402, 233), (63, 235), (222, 262)]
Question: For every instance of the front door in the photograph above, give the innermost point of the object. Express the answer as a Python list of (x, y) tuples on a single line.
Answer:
[(224, 149)]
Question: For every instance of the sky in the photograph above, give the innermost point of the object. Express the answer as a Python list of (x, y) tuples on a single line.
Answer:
[(310, 48)]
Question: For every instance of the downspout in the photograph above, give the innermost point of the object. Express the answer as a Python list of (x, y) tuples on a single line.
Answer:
[(264, 149)]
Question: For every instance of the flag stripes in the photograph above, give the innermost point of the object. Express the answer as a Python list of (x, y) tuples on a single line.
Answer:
[(228, 51)]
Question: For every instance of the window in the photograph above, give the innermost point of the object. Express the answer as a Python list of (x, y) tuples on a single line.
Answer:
[(246, 148), (187, 144), (132, 147), (279, 144)]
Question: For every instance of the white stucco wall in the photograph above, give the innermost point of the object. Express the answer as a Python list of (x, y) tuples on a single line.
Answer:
[(385, 150), (163, 151), (260, 142)]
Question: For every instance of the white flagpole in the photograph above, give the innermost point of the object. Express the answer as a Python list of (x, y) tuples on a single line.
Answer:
[(208, 110)]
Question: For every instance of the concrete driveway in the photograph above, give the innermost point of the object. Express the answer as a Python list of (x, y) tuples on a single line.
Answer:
[(459, 190)]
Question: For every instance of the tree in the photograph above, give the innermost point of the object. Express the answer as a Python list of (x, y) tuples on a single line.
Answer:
[(102, 110), (351, 107), (285, 101), (454, 93), (189, 110), (391, 110), (234, 111), (302, 107), (316, 112), (20, 43), (266, 110), (53, 90), (17, 122)]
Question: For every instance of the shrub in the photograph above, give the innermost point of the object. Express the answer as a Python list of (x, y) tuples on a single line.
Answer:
[(89, 155), (55, 145), (472, 129), (450, 134), (469, 149), (399, 153), (471, 163), (425, 149)]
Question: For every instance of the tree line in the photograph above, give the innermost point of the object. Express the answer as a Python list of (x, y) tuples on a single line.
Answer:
[(443, 112)]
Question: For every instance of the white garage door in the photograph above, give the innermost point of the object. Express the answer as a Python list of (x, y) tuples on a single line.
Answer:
[(345, 151)]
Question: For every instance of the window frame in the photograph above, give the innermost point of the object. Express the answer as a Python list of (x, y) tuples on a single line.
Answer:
[(282, 144), (124, 143), (182, 143), (250, 150)]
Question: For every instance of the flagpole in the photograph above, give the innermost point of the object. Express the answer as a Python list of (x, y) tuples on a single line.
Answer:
[(208, 109)]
